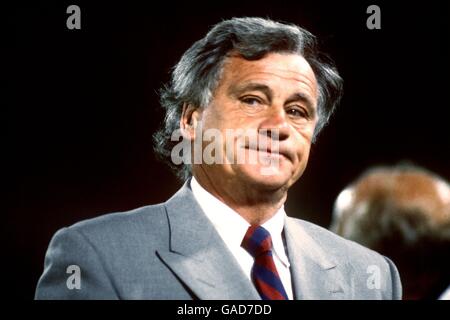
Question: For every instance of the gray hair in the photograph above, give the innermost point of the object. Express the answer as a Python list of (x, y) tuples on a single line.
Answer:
[(197, 74), (415, 234)]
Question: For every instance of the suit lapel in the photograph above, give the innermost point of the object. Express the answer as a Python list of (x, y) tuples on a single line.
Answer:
[(197, 254), (314, 275)]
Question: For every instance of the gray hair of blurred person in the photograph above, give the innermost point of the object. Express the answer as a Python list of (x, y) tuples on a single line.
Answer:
[(403, 212), (197, 74)]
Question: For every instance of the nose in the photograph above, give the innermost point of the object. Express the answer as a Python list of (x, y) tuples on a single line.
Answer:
[(275, 124)]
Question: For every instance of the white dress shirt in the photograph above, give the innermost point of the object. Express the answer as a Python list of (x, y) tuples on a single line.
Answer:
[(232, 228)]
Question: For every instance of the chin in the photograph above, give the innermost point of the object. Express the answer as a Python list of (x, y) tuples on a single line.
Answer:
[(266, 177)]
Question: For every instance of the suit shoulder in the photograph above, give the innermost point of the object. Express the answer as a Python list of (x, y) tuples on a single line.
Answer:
[(338, 246), (144, 221), (355, 261), (117, 219)]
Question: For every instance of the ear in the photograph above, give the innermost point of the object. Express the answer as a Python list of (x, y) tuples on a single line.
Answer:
[(190, 117)]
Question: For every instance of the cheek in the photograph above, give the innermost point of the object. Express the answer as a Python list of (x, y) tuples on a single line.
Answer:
[(307, 132), (209, 118), (303, 140), (305, 154), (220, 119), (303, 157), (303, 148)]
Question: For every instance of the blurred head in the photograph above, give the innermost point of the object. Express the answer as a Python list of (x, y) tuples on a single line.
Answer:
[(257, 75), (403, 212)]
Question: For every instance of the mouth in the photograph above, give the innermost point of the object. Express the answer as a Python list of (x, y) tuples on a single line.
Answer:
[(269, 152)]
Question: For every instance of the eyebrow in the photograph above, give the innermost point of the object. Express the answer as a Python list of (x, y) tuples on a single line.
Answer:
[(306, 99), (239, 89), (299, 96)]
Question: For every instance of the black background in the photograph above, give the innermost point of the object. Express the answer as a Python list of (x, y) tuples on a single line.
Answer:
[(81, 106)]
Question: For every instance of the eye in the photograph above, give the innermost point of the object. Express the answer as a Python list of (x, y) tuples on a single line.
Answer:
[(251, 101), (297, 112)]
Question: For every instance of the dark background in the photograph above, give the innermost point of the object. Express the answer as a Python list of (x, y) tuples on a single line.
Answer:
[(82, 105)]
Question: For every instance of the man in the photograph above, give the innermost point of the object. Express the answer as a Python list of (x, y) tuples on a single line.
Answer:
[(402, 212), (224, 234)]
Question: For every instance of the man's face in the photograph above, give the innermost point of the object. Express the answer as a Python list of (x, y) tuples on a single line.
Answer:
[(277, 95)]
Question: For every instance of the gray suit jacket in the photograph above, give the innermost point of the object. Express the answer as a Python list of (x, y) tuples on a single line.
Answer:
[(172, 251)]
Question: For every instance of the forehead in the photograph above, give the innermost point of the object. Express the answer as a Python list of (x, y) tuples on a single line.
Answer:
[(275, 68)]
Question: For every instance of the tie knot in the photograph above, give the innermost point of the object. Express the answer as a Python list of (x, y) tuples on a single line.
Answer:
[(257, 241)]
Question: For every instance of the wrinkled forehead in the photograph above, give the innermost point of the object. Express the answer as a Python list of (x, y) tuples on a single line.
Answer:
[(273, 66)]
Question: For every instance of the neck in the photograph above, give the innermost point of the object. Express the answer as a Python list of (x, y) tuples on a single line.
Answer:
[(255, 204)]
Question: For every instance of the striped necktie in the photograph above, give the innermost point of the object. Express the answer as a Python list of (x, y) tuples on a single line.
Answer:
[(258, 243)]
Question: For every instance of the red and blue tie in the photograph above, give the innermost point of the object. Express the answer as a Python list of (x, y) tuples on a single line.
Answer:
[(258, 243)]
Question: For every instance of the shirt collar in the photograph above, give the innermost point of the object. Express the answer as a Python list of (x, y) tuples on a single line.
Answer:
[(232, 227), (275, 226)]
